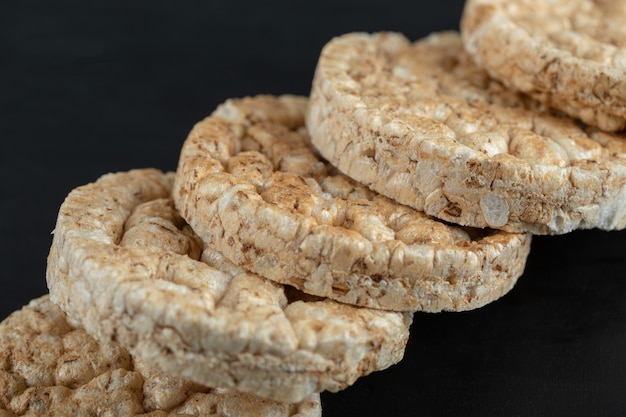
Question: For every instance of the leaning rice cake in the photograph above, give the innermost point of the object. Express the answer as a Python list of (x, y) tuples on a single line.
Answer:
[(125, 266), (568, 54), (422, 124), (50, 367), (251, 186)]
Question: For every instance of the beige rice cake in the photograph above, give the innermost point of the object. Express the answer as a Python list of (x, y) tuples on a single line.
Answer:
[(125, 266), (570, 54), (49, 367), (251, 186), (420, 123)]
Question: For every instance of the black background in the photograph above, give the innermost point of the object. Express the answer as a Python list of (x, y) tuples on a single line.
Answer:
[(93, 87)]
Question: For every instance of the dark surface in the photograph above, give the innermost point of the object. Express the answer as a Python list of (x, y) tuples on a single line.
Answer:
[(86, 90)]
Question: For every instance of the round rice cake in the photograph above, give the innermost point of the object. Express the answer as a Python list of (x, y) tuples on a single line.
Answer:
[(50, 367), (127, 267), (422, 124), (252, 186), (568, 54)]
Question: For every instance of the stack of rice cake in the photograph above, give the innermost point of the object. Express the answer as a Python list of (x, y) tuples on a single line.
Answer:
[(290, 250)]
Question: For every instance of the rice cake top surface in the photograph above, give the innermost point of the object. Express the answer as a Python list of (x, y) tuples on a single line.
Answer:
[(50, 367), (568, 54), (252, 186), (422, 124), (127, 267)]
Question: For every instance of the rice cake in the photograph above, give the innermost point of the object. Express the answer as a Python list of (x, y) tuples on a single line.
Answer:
[(50, 367), (422, 124), (125, 266), (568, 54), (251, 186)]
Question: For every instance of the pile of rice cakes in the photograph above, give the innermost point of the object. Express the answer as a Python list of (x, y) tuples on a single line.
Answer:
[(298, 237)]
